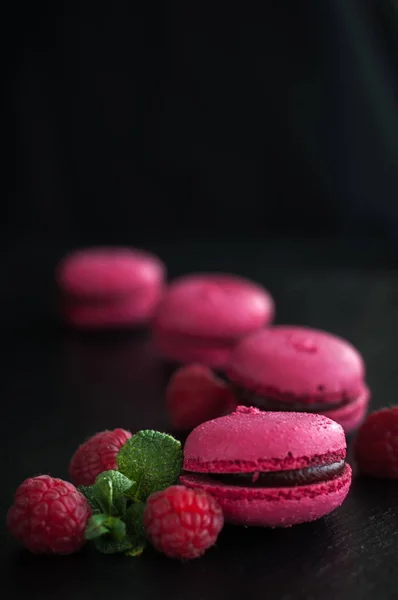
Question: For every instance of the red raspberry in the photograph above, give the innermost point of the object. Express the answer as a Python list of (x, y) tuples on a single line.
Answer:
[(194, 395), (96, 455), (376, 444), (48, 515), (182, 522)]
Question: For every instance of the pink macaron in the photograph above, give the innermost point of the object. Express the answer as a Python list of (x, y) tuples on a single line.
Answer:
[(271, 469), (202, 317), (300, 369), (109, 287)]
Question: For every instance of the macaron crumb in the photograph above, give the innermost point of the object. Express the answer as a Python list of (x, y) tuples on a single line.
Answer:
[(246, 410)]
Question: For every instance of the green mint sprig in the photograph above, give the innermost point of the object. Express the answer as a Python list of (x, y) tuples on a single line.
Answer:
[(147, 462), (135, 528)]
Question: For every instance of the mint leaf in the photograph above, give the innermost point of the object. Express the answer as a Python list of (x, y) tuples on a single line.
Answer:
[(117, 528), (108, 545), (120, 483), (119, 506), (96, 526), (152, 459), (88, 493), (103, 492), (109, 489), (104, 525), (111, 535), (135, 528)]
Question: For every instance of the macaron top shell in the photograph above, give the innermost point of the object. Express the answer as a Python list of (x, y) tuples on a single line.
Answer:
[(251, 440), (214, 305), (96, 272), (286, 362)]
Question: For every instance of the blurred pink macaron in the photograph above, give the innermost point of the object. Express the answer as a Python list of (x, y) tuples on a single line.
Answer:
[(289, 368), (202, 317), (109, 287)]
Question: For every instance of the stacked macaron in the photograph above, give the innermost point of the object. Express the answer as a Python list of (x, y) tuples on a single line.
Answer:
[(109, 287), (286, 368)]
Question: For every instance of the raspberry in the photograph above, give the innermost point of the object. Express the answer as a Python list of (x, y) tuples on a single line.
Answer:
[(194, 395), (182, 522), (48, 515), (96, 455), (376, 444)]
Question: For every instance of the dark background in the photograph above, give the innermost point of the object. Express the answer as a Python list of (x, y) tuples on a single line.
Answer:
[(260, 139), (129, 119)]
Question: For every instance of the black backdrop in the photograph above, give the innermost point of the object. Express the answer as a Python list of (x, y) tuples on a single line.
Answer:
[(126, 119), (144, 123)]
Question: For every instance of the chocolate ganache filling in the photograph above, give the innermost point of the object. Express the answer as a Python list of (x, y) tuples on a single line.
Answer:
[(249, 398), (270, 479)]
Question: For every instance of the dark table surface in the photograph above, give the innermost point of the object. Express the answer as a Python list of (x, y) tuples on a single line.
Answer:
[(59, 387)]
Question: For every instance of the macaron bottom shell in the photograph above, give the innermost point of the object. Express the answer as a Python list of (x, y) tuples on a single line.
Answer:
[(132, 310), (351, 415), (275, 507), (190, 349)]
